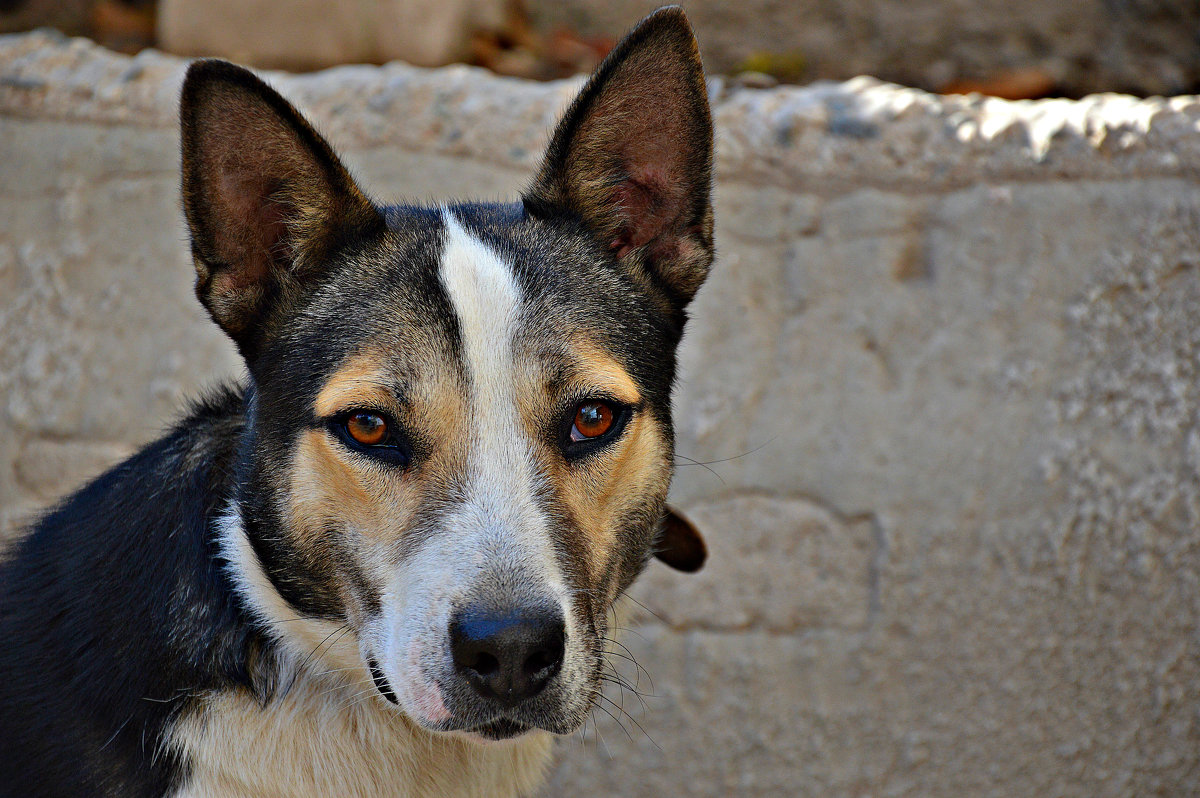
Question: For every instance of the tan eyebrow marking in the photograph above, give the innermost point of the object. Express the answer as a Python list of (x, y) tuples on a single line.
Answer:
[(597, 369), (361, 382)]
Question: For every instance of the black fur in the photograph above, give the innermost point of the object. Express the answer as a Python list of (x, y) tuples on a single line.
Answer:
[(115, 612)]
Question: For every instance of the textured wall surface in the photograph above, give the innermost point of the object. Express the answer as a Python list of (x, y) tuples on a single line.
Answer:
[(946, 366)]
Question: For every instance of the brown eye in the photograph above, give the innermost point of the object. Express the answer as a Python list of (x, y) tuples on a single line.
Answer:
[(592, 420), (369, 429)]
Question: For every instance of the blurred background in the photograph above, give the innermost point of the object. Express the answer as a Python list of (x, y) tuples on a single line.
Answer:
[(1018, 49), (939, 406)]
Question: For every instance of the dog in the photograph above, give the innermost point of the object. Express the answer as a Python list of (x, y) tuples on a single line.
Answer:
[(384, 564)]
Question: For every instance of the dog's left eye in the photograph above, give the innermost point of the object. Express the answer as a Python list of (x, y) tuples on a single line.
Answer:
[(591, 424), (371, 433), (592, 419)]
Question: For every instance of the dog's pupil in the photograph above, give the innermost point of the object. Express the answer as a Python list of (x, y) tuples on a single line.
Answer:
[(593, 419), (367, 428)]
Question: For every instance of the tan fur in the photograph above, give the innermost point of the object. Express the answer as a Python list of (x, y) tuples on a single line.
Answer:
[(358, 383), (600, 492), (329, 484), (331, 736), (595, 368), (608, 487)]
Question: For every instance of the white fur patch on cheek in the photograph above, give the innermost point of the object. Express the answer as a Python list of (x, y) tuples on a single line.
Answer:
[(417, 693), (303, 637), (411, 631), (422, 694)]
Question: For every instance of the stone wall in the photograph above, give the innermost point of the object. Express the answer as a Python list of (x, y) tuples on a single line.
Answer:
[(941, 389)]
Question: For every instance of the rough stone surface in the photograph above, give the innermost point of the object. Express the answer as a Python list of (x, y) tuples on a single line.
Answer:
[(938, 411)]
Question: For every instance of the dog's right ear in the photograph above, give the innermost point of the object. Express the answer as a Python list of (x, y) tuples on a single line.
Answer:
[(267, 200)]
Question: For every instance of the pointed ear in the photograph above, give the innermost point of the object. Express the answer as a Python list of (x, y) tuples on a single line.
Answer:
[(267, 201), (632, 158), (680, 544)]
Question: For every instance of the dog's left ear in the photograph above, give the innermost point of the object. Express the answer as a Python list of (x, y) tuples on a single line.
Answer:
[(632, 158), (679, 543)]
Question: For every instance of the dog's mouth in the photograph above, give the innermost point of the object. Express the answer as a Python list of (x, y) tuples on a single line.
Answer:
[(381, 682), (496, 730), (502, 729)]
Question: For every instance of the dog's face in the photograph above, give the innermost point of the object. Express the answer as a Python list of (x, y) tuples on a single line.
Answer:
[(459, 439)]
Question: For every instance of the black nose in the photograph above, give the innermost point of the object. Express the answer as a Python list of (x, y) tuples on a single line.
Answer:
[(510, 655)]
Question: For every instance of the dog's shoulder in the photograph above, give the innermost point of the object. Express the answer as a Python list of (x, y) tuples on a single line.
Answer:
[(116, 614)]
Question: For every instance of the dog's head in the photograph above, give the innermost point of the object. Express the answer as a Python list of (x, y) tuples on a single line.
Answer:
[(458, 440)]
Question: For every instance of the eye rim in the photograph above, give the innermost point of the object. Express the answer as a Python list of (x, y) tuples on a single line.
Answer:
[(578, 449), (393, 449)]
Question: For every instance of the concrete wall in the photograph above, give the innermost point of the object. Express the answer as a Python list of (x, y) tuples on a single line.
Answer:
[(946, 371)]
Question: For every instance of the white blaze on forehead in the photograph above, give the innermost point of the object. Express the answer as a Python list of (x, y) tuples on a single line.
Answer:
[(500, 513), (487, 301)]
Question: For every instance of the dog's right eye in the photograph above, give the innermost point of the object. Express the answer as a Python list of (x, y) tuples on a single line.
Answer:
[(371, 433)]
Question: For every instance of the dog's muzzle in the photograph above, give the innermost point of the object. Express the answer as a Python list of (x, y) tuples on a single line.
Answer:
[(501, 668)]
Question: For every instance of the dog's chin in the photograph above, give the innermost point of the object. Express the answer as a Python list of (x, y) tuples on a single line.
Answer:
[(498, 731), (505, 730)]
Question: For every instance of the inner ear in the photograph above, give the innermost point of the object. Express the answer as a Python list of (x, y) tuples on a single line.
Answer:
[(267, 200), (632, 158), (680, 544)]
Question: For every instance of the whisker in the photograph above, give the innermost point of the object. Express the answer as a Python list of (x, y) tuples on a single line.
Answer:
[(629, 656), (637, 693), (702, 465), (758, 448), (343, 627), (600, 735), (647, 609), (634, 722), (118, 731)]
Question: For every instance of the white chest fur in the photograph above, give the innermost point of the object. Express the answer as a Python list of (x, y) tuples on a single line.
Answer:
[(321, 739)]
